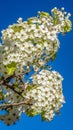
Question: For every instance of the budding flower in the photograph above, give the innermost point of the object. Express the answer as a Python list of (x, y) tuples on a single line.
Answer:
[(19, 20), (62, 8), (69, 14), (65, 12)]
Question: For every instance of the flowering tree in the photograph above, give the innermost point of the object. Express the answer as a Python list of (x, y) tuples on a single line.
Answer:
[(27, 83)]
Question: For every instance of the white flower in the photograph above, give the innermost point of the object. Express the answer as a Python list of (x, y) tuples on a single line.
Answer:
[(51, 35), (62, 8), (19, 20)]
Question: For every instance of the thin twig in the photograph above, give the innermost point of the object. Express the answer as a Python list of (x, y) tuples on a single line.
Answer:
[(15, 104)]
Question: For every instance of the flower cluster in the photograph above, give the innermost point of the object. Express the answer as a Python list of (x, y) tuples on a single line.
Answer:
[(45, 93), (33, 41)]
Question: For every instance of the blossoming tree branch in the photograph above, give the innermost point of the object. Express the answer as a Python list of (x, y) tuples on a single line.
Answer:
[(27, 83)]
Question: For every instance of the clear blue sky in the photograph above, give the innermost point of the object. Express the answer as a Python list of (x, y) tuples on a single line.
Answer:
[(10, 10)]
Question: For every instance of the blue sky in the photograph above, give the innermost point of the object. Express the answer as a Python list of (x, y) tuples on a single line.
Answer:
[(10, 10)]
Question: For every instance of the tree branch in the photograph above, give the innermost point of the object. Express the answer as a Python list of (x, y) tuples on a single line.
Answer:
[(11, 87), (6, 81), (16, 104)]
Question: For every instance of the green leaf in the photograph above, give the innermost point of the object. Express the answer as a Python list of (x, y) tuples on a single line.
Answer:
[(68, 26), (29, 87), (42, 115), (32, 112), (44, 14), (29, 21), (43, 119), (17, 28), (54, 57), (11, 68)]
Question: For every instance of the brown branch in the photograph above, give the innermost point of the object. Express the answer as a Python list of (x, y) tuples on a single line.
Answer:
[(11, 87), (6, 81), (16, 104)]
